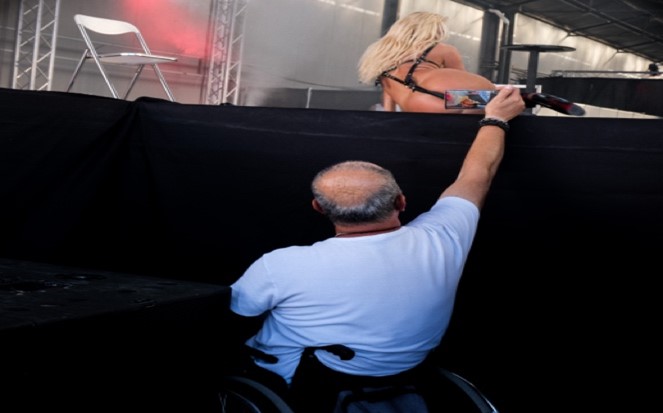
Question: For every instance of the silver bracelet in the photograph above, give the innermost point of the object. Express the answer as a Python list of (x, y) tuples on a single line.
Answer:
[(494, 122)]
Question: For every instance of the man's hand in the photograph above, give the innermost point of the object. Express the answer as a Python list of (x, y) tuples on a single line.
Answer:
[(506, 105)]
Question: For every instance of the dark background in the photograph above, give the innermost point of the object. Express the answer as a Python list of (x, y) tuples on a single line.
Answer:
[(559, 308), (632, 95)]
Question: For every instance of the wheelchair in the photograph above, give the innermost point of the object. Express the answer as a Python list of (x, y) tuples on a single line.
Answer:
[(242, 394)]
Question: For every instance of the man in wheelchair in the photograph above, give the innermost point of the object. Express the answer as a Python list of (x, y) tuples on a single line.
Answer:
[(379, 289)]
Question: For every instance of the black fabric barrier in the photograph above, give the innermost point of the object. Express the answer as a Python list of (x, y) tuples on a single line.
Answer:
[(559, 308), (82, 340)]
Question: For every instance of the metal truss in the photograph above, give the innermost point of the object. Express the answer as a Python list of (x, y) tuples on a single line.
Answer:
[(34, 53), (226, 47)]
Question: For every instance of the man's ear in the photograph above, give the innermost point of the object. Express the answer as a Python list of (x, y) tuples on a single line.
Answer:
[(400, 202), (316, 205)]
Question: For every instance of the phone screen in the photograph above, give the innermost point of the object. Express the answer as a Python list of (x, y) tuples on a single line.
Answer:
[(468, 99)]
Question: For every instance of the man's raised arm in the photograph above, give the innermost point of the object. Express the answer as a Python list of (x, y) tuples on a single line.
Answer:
[(486, 152)]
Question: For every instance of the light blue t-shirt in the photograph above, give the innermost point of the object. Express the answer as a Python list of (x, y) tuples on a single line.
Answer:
[(389, 297)]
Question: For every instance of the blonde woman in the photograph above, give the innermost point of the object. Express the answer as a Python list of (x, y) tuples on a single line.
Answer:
[(415, 68)]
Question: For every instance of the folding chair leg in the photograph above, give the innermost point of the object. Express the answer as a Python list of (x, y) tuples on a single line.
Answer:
[(163, 83), (137, 73), (78, 69), (105, 76)]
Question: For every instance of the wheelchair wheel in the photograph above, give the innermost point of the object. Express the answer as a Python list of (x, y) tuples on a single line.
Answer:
[(243, 395), (477, 398)]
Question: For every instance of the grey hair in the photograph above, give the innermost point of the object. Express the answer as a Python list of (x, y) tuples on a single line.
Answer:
[(375, 206)]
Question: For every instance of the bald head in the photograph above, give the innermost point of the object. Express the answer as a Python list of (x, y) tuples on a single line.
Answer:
[(355, 192)]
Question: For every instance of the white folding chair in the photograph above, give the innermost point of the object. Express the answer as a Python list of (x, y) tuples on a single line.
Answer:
[(110, 27)]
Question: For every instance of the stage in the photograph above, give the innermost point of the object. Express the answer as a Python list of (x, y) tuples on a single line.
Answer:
[(560, 306)]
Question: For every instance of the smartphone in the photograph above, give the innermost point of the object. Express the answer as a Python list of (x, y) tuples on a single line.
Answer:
[(468, 99)]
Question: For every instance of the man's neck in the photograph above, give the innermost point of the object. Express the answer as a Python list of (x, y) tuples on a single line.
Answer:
[(368, 229)]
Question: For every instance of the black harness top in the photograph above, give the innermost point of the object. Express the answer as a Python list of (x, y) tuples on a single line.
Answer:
[(409, 80)]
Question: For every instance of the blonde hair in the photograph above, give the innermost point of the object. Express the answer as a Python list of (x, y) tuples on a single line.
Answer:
[(406, 39)]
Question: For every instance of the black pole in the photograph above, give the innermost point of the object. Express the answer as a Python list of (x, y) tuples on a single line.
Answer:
[(488, 49), (504, 67), (389, 15)]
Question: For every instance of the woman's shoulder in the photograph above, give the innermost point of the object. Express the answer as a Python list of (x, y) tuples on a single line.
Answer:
[(448, 55), (445, 47)]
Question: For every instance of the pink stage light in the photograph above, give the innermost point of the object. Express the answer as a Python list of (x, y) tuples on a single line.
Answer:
[(168, 26)]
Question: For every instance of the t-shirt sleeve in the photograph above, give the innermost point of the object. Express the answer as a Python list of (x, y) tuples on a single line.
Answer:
[(253, 293), (456, 217)]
